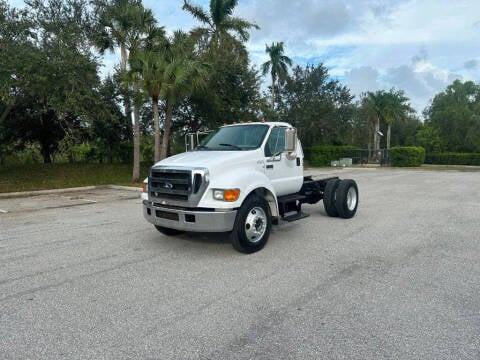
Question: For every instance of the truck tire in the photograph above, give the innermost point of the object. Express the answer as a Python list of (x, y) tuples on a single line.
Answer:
[(347, 198), (329, 197), (168, 231), (252, 225)]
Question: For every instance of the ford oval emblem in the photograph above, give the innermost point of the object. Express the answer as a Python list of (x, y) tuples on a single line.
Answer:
[(168, 185)]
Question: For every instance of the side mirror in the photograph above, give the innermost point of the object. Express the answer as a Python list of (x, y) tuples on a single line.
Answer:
[(290, 140)]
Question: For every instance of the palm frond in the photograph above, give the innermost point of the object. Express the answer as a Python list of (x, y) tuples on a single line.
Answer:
[(240, 26), (197, 12), (266, 67)]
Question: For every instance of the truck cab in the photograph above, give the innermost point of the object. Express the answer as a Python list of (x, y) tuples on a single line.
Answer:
[(240, 179)]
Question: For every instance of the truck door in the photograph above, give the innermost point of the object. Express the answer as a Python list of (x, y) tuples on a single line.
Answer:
[(285, 174)]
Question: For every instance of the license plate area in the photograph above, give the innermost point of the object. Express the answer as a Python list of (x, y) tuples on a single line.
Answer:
[(166, 215)]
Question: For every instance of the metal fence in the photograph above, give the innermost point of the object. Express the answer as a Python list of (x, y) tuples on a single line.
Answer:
[(362, 157)]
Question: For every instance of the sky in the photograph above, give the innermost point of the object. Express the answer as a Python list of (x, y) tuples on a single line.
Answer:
[(419, 46)]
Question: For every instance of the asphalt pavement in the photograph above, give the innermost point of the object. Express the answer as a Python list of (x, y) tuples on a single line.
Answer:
[(84, 276)]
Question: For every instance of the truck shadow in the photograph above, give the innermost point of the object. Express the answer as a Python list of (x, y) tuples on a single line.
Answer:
[(206, 238)]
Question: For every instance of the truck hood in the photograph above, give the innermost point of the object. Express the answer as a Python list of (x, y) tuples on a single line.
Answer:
[(210, 159)]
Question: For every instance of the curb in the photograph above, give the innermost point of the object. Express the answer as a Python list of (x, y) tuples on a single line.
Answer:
[(21, 194)]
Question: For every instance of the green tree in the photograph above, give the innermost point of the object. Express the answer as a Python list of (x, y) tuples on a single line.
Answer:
[(19, 56), (232, 90), (108, 130), (182, 74), (49, 92), (151, 65), (395, 108), (390, 107), (128, 25), (365, 118), (455, 116), (277, 65), (321, 108), (221, 27), (429, 138)]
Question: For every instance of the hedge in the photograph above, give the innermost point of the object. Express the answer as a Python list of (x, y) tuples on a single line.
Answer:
[(323, 155), (453, 159), (407, 155)]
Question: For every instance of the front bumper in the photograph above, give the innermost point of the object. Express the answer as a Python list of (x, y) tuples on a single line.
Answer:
[(186, 220)]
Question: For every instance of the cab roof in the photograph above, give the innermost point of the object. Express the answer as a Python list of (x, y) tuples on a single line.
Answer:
[(269, 123)]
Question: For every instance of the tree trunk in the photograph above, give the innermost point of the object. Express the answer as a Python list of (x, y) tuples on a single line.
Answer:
[(388, 136), (369, 143), (126, 98), (166, 130), (375, 136), (6, 111), (273, 93), (136, 138), (46, 154), (157, 129)]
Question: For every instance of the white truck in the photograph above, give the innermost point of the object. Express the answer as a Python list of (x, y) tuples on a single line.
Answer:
[(240, 180)]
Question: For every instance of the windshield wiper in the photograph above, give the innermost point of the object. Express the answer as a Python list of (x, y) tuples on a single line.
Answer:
[(232, 146)]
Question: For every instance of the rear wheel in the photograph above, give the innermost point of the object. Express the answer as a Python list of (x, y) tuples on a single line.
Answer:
[(252, 225), (168, 231), (329, 197), (347, 198)]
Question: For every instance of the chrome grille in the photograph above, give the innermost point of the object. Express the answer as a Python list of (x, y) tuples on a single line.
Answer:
[(178, 186), (170, 184)]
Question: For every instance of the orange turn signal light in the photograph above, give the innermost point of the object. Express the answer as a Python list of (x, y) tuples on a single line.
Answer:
[(231, 194)]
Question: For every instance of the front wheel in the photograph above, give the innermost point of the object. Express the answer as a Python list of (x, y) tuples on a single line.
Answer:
[(252, 225), (347, 198)]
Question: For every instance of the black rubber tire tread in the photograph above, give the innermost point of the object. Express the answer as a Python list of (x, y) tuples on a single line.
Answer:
[(168, 231), (341, 199), (238, 237), (329, 197)]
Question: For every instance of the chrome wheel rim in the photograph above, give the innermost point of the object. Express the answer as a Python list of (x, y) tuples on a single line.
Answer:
[(255, 224), (352, 198)]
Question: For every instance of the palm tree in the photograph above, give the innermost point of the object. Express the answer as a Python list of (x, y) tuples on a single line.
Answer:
[(182, 74), (375, 101), (395, 108), (367, 111), (220, 23), (389, 107), (277, 65), (149, 64), (126, 24)]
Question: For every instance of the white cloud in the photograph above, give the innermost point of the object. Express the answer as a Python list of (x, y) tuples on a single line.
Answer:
[(418, 46)]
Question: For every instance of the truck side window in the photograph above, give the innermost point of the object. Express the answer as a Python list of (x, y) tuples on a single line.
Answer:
[(276, 142)]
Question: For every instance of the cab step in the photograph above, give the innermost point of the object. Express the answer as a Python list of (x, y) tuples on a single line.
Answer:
[(296, 216), (289, 203)]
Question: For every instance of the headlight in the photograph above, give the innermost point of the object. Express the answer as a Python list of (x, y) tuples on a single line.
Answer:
[(226, 194), (145, 186)]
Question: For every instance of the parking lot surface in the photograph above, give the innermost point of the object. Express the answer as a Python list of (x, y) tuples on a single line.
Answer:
[(84, 276)]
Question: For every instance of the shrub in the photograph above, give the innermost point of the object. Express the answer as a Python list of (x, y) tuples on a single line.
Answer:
[(323, 155), (407, 156), (453, 159), (148, 153)]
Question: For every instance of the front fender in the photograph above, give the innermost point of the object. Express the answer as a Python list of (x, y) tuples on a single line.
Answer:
[(247, 182)]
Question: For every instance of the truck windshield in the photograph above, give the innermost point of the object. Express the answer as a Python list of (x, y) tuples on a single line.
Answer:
[(240, 137)]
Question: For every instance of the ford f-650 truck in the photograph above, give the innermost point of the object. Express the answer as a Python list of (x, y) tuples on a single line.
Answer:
[(242, 179)]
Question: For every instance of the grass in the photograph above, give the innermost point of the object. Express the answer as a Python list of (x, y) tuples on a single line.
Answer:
[(57, 176)]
